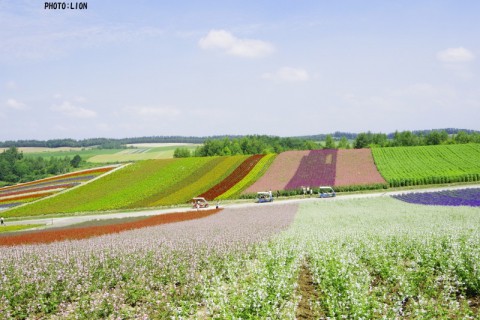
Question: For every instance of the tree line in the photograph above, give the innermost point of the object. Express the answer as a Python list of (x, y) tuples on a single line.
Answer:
[(15, 168), (270, 144), (252, 144), (409, 138)]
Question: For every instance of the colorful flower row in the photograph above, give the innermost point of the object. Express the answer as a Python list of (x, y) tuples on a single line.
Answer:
[(92, 172), (38, 189), (459, 197), (259, 170), (235, 177), (48, 236)]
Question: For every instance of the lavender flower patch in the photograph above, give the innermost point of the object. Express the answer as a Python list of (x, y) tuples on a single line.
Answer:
[(461, 197)]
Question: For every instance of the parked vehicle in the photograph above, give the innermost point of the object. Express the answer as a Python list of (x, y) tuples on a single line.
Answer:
[(326, 192), (199, 202), (264, 196)]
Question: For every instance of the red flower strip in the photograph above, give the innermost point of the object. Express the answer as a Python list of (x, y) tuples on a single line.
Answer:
[(236, 176), (49, 236)]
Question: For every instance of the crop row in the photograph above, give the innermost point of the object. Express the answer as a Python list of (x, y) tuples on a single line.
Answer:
[(231, 180), (406, 166), (460, 197)]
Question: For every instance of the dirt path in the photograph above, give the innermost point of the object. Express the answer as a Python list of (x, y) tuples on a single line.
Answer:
[(65, 221)]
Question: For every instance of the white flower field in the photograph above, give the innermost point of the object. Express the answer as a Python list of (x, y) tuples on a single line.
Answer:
[(355, 259)]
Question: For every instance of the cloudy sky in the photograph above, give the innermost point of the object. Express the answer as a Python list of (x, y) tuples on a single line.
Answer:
[(285, 67)]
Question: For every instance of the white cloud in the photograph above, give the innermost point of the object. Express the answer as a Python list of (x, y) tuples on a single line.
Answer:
[(68, 109), (288, 74), (455, 55), (148, 112), (15, 104), (246, 48)]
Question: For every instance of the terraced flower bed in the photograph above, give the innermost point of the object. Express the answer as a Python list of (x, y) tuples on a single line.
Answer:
[(235, 177), (459, 197), (27, 192), (255, 173), (280, 173)]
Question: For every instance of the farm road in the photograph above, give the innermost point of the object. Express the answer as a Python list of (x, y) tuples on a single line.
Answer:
[(66, 221)]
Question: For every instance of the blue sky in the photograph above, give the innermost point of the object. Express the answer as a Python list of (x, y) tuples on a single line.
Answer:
[(141, 68)]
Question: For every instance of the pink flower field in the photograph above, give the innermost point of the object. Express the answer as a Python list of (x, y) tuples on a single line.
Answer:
[(280, 173), (356, 167)]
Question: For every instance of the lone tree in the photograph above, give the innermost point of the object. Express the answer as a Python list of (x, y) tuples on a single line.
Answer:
[(75, 162)]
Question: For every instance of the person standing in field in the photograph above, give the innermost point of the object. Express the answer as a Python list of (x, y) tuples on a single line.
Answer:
[(1, 221)]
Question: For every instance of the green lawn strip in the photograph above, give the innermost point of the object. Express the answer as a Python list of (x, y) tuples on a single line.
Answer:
[(114, 191), (254, 174), (204, 182), (406, 166), (201, 167), (7, 228)]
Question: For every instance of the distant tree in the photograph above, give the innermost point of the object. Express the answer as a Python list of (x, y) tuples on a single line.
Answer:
[(329, 143), (361, 141), (343, 143), (436, 137)]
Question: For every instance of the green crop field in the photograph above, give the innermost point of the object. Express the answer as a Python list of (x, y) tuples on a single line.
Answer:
[(405, 166)]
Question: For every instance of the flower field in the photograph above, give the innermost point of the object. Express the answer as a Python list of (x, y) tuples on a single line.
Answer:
[(27, 192), (255, 173), (315, 169), (280, 173), (356, 167), (407, 166), (459, 197), (360, 258), (235, 177), (203, 181), (347, 170)]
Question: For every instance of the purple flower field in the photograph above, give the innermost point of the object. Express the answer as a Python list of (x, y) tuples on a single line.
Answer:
[(461, 197), (315, 169)]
